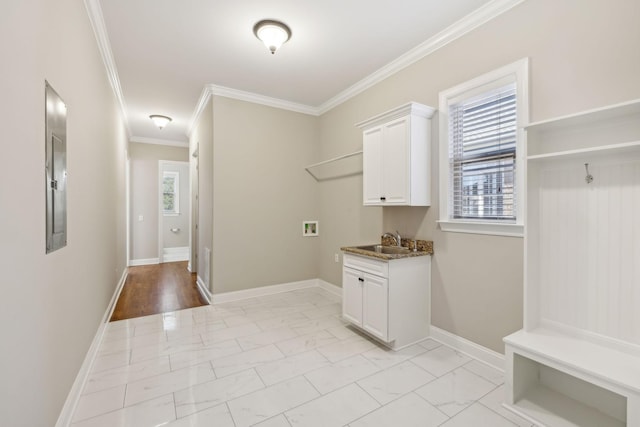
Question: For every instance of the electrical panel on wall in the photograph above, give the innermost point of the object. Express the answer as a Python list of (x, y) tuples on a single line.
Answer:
[(56, 169)]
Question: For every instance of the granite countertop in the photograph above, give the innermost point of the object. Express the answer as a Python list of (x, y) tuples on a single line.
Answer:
[(425, 247)]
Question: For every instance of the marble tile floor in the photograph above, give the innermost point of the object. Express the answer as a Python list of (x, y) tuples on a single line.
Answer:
[(283, 360)]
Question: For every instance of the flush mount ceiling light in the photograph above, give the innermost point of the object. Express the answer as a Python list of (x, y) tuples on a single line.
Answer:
[(272, 33), (160, 121)]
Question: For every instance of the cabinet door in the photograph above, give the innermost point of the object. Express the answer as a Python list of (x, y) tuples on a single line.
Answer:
[(371, 166), (375, 306), (352, 284), (396, 162)]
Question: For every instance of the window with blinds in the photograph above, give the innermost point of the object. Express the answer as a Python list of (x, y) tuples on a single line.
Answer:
[(482, 155), (170, 193)]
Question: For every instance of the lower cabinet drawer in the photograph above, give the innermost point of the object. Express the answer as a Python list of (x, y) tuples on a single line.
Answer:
[(367, 265)]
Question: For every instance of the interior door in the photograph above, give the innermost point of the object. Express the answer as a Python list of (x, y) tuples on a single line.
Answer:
[(173, 215), (195, 203)]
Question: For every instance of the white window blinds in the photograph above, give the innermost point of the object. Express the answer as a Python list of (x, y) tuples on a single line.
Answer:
[(482, 155)]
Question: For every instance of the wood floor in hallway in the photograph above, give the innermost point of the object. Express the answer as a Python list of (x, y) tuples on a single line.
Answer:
[(159, 288)]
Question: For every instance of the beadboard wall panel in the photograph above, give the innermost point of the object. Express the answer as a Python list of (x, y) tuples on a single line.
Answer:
[(589, 248)]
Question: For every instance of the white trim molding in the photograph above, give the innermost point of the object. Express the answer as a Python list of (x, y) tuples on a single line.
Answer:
[(324, 286), (330, 288), (470, 22), (70, 404), (472, 349), (180, 253), (458, 29), (227, 92), (262, 291), (145, 261), (221, 298), (94, 11), (479, 227), (206, 294)]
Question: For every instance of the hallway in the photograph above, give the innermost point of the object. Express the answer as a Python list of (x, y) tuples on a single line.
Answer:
[(155, 289)]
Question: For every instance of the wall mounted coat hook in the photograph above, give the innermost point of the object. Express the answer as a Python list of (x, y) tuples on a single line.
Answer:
[(589, 177)]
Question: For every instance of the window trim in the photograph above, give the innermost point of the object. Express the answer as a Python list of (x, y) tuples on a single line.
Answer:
[(518, 70), (176, 193)]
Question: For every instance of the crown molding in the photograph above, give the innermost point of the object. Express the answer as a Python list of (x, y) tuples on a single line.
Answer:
[(200, 106), (227, 92), (446, 36), (456, 30), (102, 38), (157, 141), (261, 99)]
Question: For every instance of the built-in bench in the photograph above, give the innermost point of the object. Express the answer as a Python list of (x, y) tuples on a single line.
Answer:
[(562, 380), (576, 362)]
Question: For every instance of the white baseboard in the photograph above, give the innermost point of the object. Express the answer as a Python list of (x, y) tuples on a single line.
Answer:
[(175, 254), (115, 296), (474, 350), (263, 290), (146, 261), (206, 294), (68, 409), (330, 288)]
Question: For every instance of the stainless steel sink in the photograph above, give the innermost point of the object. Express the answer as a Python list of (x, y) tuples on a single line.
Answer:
[(384, 249)]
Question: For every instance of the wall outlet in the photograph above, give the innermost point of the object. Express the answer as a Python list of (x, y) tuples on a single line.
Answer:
[(140, 218), (336, 257)]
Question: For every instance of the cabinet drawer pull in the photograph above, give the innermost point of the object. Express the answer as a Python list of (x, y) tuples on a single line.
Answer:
[(361, 279), (382, 199)]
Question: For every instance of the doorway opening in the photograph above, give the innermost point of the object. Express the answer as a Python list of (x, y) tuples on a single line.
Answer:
[(173, 211)]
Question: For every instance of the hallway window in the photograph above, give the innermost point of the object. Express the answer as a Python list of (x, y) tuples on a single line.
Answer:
[(170, 193)]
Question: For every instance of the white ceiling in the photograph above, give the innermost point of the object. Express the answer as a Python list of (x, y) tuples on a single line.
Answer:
[(167, 51)]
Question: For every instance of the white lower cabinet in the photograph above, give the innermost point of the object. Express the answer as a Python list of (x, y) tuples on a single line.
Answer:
[(366, 299), (389, 300), (375, 303), (352, 292)]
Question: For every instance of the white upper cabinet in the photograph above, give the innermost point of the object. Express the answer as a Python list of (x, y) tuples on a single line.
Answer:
[(397, 157)]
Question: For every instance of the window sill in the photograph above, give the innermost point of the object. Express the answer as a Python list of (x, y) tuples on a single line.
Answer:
[(478, 227), (171, 213)]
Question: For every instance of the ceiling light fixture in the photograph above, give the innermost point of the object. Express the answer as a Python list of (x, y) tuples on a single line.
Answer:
[(272, 33), (160, 121)]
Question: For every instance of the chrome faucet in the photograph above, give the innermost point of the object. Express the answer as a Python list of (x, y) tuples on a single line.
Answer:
[(395, 237)]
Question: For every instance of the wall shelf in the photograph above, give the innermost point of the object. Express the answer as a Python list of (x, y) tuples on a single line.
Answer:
[(584, 118), (612, 127), (328, 162), (623, 147)]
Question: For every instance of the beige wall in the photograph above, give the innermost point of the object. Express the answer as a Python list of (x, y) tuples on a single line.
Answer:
[(52, 304), (144, 195), (583, 54), (261, 195)]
